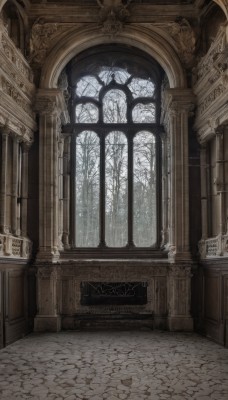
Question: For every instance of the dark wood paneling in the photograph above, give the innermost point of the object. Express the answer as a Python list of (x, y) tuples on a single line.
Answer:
[(1, 311), (16, 303), (16, 288), (211, 284), (212, 297)]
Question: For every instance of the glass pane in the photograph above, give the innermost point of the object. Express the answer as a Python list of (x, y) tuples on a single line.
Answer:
[(143, 113), (87, 189), (116, 210), (115, 107), (119, 75), (86, 113), (144, 190), (141, 88), (88, 86)]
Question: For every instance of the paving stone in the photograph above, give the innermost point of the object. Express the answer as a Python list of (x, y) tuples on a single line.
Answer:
[(114, 366)]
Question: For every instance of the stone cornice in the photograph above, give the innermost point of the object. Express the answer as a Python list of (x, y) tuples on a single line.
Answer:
[(82, 13)]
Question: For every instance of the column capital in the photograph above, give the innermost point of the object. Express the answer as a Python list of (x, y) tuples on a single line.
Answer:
[(5, 130), (175, 102), (51, 102), (180, 100)]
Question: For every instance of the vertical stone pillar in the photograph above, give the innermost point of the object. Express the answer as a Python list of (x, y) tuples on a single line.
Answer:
[(204, 199), (5, 138), (66, 192), (48, 105), (179, 298), (220, 181), (48, 299), (60, 175), (15, 179), (24, 188), (204, 191), (179, 102), (51, 106)]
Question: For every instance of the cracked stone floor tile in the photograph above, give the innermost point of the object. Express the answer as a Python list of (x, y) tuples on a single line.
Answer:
[(107, 365)]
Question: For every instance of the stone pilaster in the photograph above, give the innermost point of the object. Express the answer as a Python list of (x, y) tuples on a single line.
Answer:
[(15, 180), (48, 299), (179, 298), (60, 174), (24, 187), (220, 177), (177, 106), (4, 160), (50, 104)]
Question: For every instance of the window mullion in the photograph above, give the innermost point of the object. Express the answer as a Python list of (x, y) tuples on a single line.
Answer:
[(130, 191), (102, 190)]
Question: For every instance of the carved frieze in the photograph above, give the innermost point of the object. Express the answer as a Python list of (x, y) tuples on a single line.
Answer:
[(206, 64), (9, 89), (211, 97)]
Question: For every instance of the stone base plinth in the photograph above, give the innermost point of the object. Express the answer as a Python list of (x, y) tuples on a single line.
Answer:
[(47, 324), (184, 324)]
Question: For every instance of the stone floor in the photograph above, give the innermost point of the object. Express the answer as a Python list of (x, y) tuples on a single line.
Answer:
[(114, 366)]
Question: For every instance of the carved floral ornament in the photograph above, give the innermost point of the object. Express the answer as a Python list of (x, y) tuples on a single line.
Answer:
[(184, 38), (113, 14), (42, 34)]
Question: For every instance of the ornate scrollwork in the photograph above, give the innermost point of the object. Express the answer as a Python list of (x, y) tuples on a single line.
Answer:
[(113, 14)]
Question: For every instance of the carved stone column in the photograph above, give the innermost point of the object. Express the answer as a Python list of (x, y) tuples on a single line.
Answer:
[(4, 157), (204, 190), (60, 174), (66, 192), (48, 299), (50, 105), (220, 181), (15, 180), (178, 104), (24, 188), (179, 298)]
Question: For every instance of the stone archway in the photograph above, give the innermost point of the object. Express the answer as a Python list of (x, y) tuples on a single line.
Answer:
[(149, 41)]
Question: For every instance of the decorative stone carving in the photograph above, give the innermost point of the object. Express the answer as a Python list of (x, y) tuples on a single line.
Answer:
[(185, 39), (42, 34), (11, 91), (11, 246), (113, 14), (212, 96), (14, 55), (214, 247)]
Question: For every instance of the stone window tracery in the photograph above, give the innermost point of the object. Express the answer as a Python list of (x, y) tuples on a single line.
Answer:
[(116, 150)]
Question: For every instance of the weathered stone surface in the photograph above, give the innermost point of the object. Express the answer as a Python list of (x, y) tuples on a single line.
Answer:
[(114, 366)]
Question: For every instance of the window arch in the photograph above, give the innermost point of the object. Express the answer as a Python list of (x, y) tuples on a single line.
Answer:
[(116, 151)]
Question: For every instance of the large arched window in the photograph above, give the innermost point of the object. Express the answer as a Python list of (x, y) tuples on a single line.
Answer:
[(116, 152)]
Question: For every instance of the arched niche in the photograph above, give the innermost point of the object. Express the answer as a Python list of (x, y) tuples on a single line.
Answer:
[(15, 19), (151, 42)]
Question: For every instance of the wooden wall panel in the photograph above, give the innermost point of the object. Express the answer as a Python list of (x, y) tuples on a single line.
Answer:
[(1, 311), (14, 300), (212, 297), (16, 288), (211, 281)]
